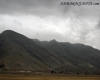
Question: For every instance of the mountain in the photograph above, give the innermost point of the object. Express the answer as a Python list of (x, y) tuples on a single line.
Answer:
[(21, 54), (75, 58), (18, 52)]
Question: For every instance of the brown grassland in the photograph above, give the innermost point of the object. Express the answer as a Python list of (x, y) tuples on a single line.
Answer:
[(46, 77)]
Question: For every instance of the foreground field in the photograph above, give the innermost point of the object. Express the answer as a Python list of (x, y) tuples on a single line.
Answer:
[(46, 77)]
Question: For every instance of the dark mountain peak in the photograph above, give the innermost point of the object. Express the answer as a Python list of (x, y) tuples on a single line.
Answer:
[(53, 41), (12, 35), (8, 32), (36, 40)]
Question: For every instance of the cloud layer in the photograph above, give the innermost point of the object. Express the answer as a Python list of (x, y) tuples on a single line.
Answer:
[(48, 19)]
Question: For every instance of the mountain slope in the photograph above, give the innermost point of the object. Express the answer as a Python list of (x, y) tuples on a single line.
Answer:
[(76, 58), (19, 53)]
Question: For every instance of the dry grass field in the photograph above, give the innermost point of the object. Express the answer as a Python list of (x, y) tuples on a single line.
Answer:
[(46, 77)]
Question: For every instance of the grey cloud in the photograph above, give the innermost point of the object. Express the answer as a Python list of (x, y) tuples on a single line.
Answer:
[(28, 6), (98, 25), (44, 7), (53, 8)]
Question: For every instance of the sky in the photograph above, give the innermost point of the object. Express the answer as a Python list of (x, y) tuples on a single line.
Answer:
[(49, 19)]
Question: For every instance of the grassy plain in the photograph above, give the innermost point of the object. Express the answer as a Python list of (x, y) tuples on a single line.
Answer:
[(46, 77)]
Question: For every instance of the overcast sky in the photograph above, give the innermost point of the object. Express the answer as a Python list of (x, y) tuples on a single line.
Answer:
[(48, 19)]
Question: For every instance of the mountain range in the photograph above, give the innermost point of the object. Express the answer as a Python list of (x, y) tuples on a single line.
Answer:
[(19, 53)]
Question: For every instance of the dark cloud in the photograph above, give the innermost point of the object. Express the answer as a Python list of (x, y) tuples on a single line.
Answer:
[(28, 6), (47, 7), (43, 7)]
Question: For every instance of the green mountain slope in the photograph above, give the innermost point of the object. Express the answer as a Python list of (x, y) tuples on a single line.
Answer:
[(19, 53)]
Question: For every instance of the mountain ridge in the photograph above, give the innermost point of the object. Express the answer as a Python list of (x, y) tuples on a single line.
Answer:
[(19, 53)]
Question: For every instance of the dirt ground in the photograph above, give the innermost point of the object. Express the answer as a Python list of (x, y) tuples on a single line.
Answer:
[(46, 77)]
